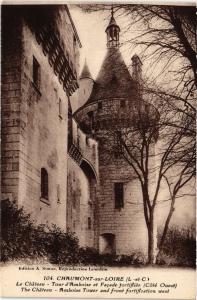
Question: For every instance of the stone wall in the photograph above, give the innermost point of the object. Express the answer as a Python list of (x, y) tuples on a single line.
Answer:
[(121, 230), (82, 183), (80, 205), (34, 128), (68, 34), (43, 137), (10, 104), (127, 224)]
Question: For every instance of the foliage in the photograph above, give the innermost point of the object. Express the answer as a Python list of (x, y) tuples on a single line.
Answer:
[(62, 247), (179, 248), (19, 236), (23, 240), (136, 258), (90, 256)]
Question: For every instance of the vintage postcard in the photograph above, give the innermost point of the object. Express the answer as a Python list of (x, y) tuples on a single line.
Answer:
[(98, 150)]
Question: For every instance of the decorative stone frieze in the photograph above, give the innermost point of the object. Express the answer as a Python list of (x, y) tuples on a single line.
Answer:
[(58, 59), (75, 153)]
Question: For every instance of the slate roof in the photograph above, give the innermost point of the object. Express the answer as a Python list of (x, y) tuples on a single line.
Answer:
[(85, 72), (113, 80)]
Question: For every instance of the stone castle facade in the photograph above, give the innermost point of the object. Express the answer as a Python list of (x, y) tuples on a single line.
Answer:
[(56, 125)]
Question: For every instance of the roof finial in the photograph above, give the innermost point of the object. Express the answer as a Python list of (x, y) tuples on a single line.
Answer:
[(112, 31), (112, 10)]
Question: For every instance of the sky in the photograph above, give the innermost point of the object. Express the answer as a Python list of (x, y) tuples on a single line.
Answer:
[(91, 30)]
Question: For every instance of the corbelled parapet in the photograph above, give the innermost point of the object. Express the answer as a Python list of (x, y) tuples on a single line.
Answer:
[(116, 98), (43, 21), (115, 115)]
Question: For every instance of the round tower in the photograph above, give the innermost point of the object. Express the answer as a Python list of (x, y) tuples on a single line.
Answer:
[(111, 108)]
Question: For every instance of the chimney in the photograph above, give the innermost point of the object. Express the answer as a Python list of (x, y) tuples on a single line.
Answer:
[(136, 68)]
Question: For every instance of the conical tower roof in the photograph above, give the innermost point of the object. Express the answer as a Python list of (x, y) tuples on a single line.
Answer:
[(85, 72), (114, 79)]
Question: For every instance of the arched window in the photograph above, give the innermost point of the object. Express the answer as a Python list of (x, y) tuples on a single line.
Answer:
[(44, 183)]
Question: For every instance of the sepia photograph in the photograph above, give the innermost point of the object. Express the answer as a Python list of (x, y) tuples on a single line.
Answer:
[(98, 150)]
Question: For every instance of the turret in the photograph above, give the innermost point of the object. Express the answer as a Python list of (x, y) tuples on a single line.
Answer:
[(85, 85), (113, 93), (112, 31)]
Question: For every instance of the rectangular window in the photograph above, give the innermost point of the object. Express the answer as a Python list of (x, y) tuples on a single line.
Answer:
[(119, 194), (44, 183), (89, 223), (36, 73), (60, 108), (58, 194)]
